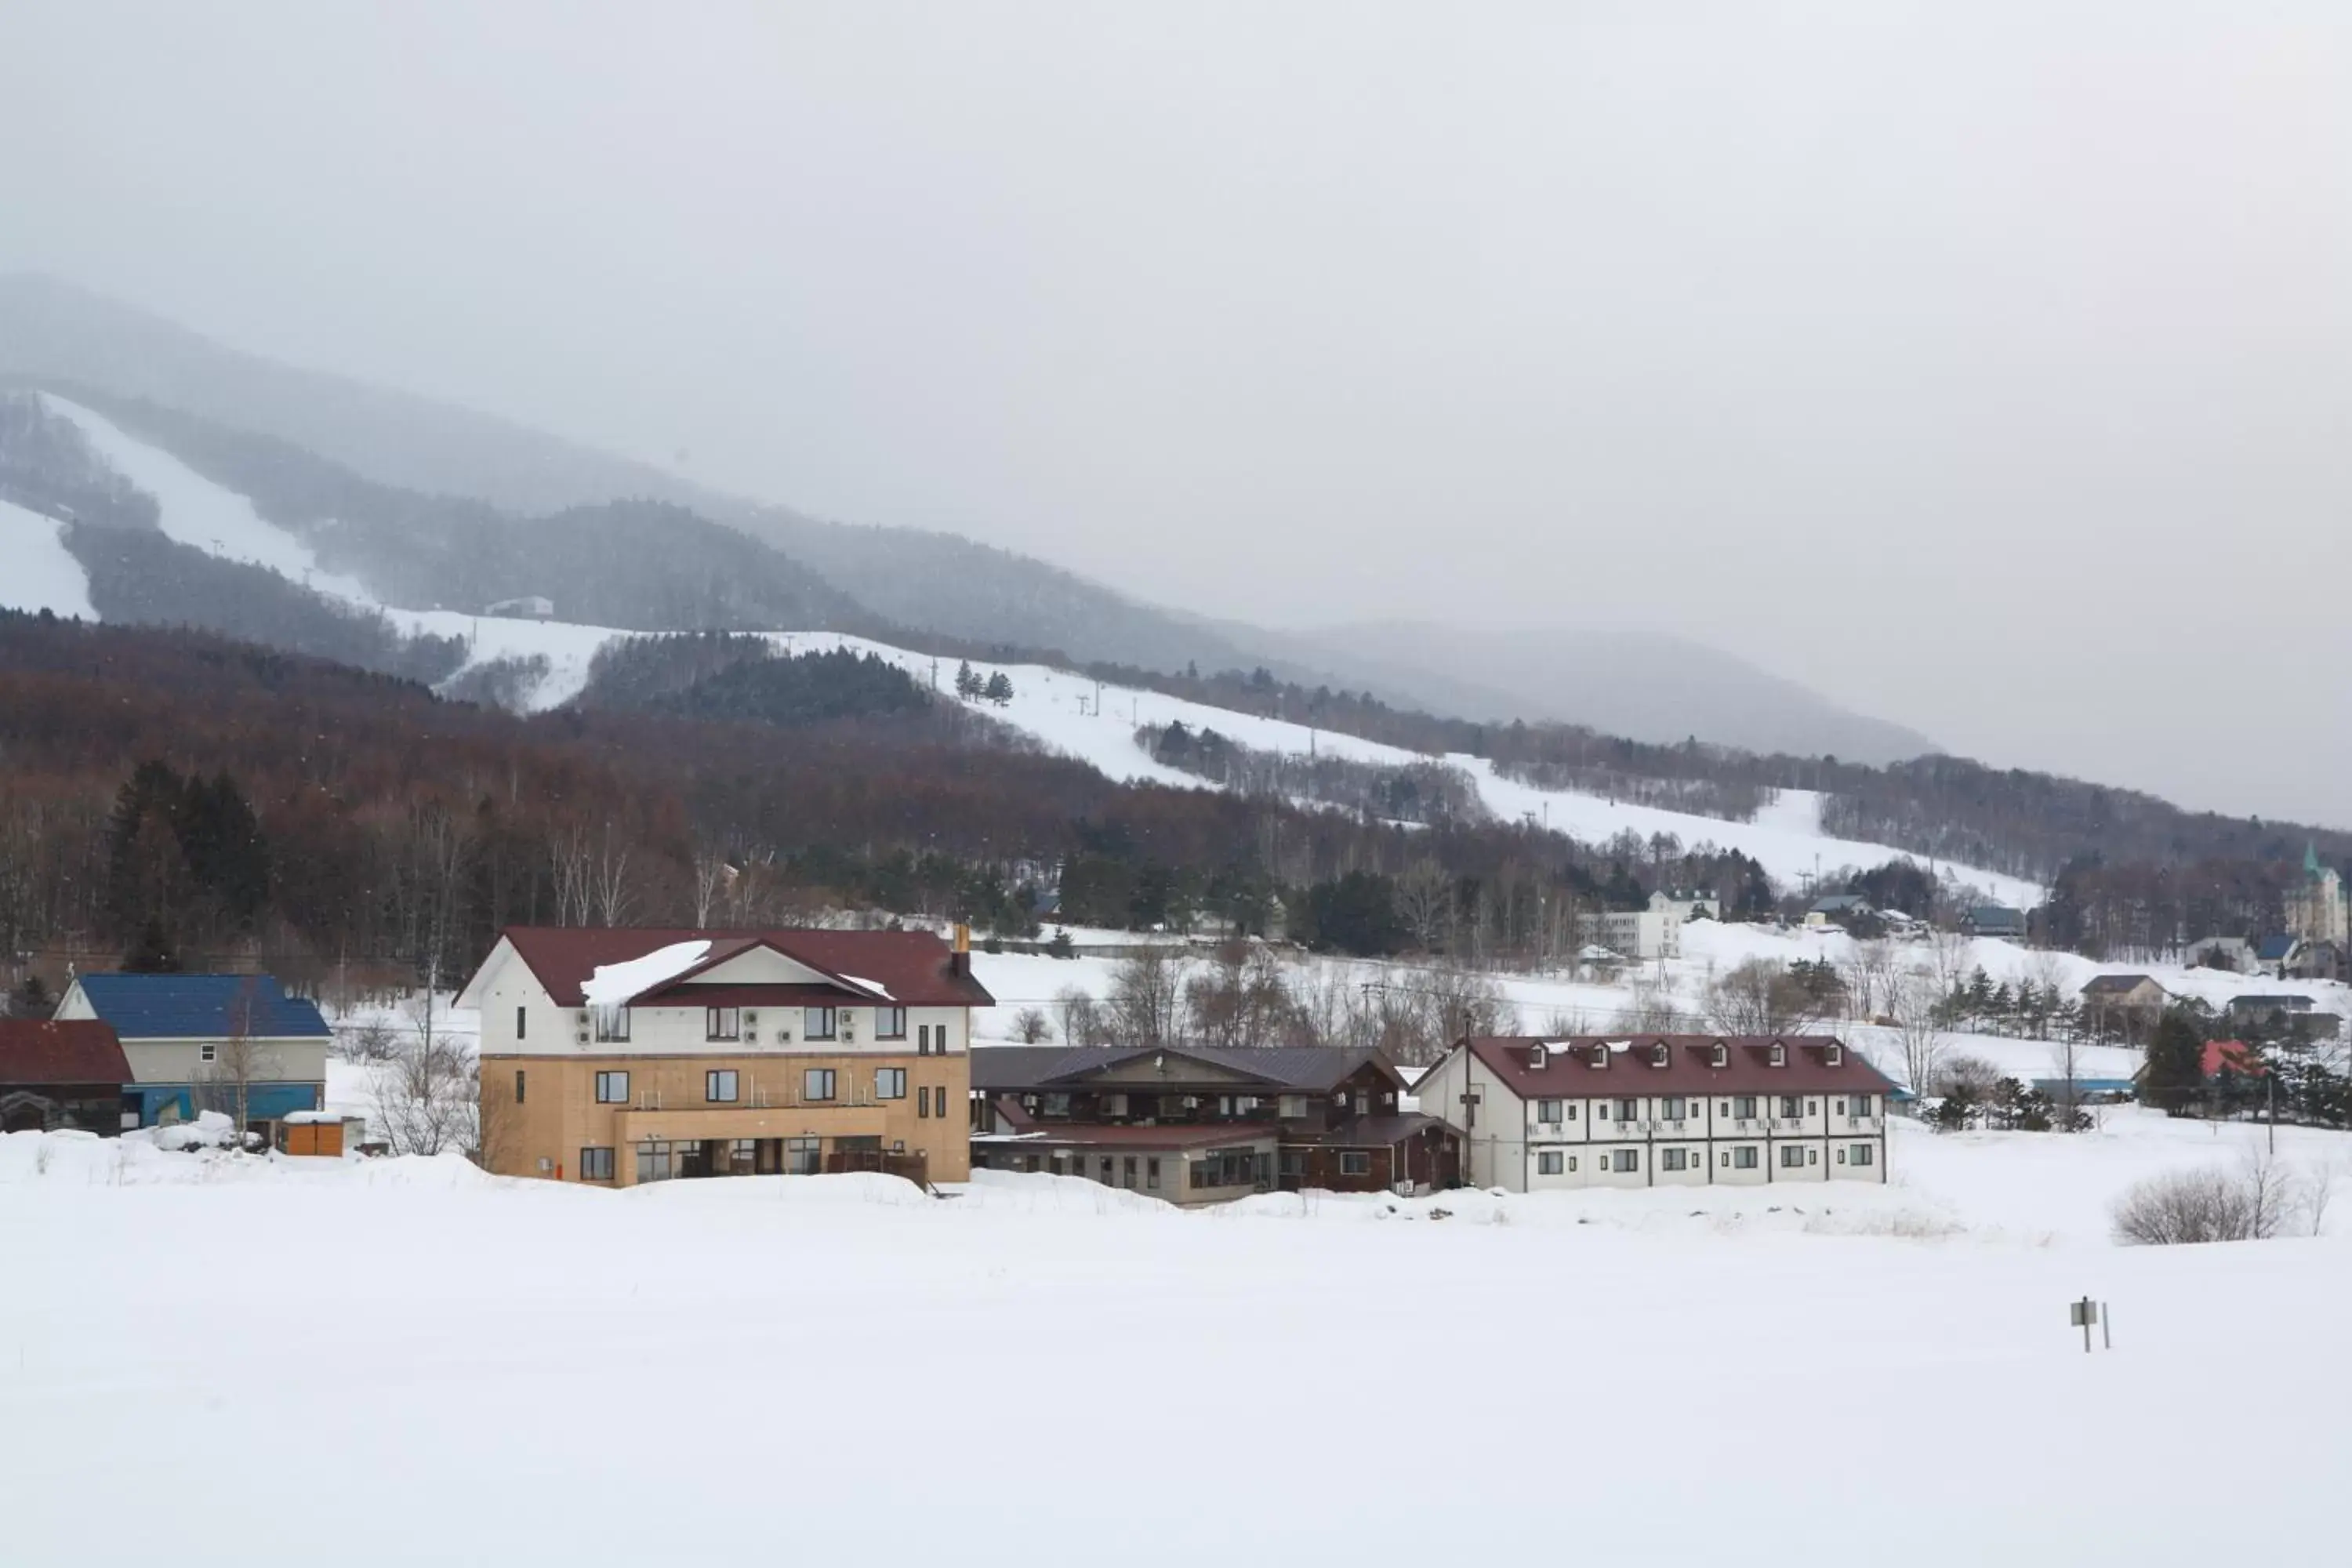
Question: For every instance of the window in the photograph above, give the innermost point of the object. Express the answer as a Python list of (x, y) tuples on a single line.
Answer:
[(210, 1052), (889, 1023), (612, 1023), (654, 1162), (1673, 1160), (1863, 1154), (517, 1086), (1055, 1105), (817, 1024), (923, 1101), (1672, 1108), (1791, 1156), (1744, 1157), (522, 1017), (889, 1083), (1861, 1104), (1625, 1160), (1355, 1161), (1127, 1170), (719, 1088), (1571, 1113), (1744, 1107), (611, 1088), (743, 1157), (1629, 1111), (1547, 1110), (1571, 1163), (1151, 1175), (1841, 1156), (595, 1164), (1547, 1163), (1106, 1168), (816, 1083), (1792, 1107), (722, 1024), (804, 1156)]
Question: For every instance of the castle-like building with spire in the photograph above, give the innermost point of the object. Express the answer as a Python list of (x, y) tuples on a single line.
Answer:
[(2315, 907)]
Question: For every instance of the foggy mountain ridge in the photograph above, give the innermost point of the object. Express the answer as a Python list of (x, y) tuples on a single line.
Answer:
[(1642, 684), (437, 504)]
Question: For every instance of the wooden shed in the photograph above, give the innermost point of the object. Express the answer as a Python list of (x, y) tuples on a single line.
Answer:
[(317, 1133)]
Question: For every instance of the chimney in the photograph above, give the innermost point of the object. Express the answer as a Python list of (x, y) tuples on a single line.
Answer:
[(960, 959)]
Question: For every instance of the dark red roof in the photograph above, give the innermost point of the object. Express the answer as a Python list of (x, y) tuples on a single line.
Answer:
[(44, 1051), (1568, 1073), (2231, 1056), (913, 967), (1122, 1135)]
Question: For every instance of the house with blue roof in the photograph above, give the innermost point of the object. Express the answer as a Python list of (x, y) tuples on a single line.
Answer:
[(232, 1042)]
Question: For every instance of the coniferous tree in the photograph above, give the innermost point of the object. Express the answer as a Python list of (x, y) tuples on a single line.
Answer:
[(966, 684), (999, 689), (2175, 1064)]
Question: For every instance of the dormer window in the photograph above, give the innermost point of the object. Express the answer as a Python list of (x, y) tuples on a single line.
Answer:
[(1537, 1057), (1600, 1056), (1834, 1055), (1721, 1057), (1780, 1055), (1658, 1054)]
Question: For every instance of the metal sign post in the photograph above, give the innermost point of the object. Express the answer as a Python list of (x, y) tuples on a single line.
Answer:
[(2083, 1314)]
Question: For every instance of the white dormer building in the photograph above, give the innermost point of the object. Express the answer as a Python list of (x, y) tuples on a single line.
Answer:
[(633, 1055), (1651, 1111)]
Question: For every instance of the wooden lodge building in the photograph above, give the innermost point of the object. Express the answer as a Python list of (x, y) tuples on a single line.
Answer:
[(1195, 1124)]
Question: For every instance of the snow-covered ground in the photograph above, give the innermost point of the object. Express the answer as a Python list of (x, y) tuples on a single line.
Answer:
[(405, 1361), (1068, 712), (36, 570)]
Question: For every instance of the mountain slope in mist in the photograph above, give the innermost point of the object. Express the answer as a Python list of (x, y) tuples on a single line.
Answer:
[(1643, 685), (440, 459)]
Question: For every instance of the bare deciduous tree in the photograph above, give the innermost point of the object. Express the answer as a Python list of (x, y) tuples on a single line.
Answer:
[(1031, 1027), (1147, 997), (1759, 997), (1912, 1002)]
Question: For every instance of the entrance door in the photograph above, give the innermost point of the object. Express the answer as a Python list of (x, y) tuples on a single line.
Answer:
[(769, 1160)]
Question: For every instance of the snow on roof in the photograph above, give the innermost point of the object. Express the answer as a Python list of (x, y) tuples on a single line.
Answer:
[(614, 984), (863, 983)]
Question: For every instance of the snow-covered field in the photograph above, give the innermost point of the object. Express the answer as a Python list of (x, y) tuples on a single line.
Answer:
[(405, 1361), (1064, 710)]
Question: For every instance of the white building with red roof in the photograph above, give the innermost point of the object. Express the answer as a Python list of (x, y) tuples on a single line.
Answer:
[(1653, 1110)]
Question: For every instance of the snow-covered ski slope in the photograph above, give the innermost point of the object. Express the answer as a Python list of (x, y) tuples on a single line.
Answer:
[(1067, 711), (1096, 724), (36, 570), (196, 512)]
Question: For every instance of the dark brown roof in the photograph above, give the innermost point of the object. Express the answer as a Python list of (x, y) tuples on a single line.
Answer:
[(1275, 1070), (44, 1051), (913, 967), (1568, 1071), (1369, 1131), (1119, 1135)]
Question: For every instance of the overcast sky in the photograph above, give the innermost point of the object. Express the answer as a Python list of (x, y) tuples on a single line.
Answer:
[(1986, 366)]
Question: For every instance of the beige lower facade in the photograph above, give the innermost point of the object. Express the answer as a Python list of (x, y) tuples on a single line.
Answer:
[(620, 1120)]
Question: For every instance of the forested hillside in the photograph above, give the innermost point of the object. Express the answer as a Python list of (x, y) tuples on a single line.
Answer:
[(395, 825)]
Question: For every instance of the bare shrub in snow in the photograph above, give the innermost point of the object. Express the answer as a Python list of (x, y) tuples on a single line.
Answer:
[(370, 1042), (1652, 1011), (428, 1098), (2182, 1208), (1031, 1027)]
